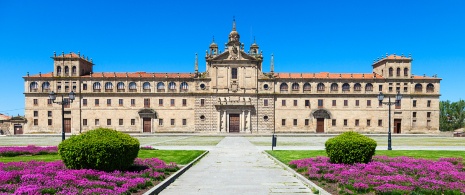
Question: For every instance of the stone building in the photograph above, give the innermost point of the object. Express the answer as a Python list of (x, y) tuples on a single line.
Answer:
[(234, 94)]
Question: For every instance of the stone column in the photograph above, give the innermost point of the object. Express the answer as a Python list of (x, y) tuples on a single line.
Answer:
[(250, 120), (227, 122), (219, 121), (242, 121)]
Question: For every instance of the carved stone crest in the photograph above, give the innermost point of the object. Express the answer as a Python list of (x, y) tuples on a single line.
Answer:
[(234, 86)]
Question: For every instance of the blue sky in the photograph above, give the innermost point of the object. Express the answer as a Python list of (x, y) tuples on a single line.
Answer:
[(163, 36)]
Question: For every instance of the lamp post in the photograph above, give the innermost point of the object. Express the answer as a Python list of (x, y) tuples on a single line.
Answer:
[(53, 96), (389, 103)]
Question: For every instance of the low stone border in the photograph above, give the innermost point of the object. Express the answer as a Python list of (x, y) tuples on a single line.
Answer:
[(165, 183), (299, 176)]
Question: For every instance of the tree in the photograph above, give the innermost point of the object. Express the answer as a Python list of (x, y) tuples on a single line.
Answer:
[(452, 115)]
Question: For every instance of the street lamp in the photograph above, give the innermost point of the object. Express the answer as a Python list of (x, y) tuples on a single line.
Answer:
[(389, 103), (53, 96)]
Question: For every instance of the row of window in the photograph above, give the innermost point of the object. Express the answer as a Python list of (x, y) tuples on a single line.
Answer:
[(346, 103), (398, 72), (133, 86), (133, 122), (346, 87), (73, 70), (346, 121)]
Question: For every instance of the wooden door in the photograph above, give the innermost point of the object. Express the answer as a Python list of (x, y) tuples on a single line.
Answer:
[(320, 125), (147, 125), (397, 125), (67, 122), (18, 129), (234, 122)]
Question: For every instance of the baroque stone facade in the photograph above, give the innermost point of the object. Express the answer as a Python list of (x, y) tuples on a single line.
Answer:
[(234, 94)]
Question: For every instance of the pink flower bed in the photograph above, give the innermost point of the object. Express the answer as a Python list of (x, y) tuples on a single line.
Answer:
[(35, 177), (384, 175), (23, 150)]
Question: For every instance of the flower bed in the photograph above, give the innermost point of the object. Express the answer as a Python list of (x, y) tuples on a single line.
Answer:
[(27, 150), (36, 177), (384, 175)]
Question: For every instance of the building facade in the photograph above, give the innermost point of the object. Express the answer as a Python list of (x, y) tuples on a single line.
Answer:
[(233, 95)]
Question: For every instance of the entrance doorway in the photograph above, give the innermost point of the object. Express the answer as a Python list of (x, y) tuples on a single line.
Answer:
[(320, 125), (147, 123), (67, 122), (397, 125), (234, 123), (18, 129)]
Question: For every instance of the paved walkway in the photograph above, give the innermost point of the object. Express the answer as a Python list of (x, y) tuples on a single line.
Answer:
[(235, 166)]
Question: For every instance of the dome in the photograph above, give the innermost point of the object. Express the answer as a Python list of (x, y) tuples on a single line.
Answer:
[(213, 44)]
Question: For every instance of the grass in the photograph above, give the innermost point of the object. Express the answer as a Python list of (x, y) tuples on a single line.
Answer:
[(287, 156), (180, 157)]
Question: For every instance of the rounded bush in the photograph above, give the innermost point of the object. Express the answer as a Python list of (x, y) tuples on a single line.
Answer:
[(350, 147), (101, 149)]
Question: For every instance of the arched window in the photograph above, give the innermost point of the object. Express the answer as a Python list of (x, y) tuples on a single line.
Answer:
[(96, 87), (295, 87), (58, 70), (406, 72), (307, 87), (146, 87), (132, 87), (120, 87), (345, 87), (418, 88), (391, 72), (108, 86), (334, 87), (33, 86), (160, 87), (357, 87), (369, 87), (184, 86), (46, 86), (398, 72), (66, 70), (320, 87), (73, 70), (172, 86), (429, 88), (283, 87)]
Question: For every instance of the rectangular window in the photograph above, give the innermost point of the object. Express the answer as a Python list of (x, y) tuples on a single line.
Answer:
[(334, 102), (172, 122), (428, 115), (202, 102), (345, 122), (49, 102), (160, 102), (84, 102), (108, 102), (414, 123), (405, 89), (307, 121), (49, 113), (380, 88), (333, 122), (234, 73), (133, 122), (283, 102), (36, 113), (97, 122), (368, 103), (36, 122), (320, 103), (66, 88), (146, 103), (380, 123), (398, 104), (49, 122), (295, 122), (428, 103), (368, 122), (357, 103), (283, 122), (96, 102), (84, 86), (265, 102), (414, 114), (108, 121), (160, 122), (120, 122), (390, 89), (380, 104), (184, 122), (184, 102), (428, 123), (133, 102), (84, 122), (172, 102), (307, 103), (356, 122), (346, 102), (66, 102), (36, 102), (414, 104), (295, 102), (120, 102)]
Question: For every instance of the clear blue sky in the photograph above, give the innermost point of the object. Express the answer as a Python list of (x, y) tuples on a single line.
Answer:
[(163, 36)]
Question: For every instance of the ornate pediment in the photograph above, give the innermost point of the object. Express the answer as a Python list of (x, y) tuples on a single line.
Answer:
[(147, 113), (321, 113)]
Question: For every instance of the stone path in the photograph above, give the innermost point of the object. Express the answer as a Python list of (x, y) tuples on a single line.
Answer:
[(235, 166)]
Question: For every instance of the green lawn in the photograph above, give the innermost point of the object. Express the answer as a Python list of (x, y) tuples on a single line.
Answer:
[(286, 156), (180, 157)]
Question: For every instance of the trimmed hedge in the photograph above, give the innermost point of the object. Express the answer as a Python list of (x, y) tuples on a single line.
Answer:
[(350, 147), (101, 149)]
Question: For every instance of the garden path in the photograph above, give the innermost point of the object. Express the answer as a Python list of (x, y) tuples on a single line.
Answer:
[(235, 166)]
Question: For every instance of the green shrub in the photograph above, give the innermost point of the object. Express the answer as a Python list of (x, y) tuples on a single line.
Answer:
[(100, 149), (350, 147)]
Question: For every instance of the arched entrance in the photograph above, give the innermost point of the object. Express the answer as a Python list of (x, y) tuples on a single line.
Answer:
[(147, 115), (320, 115)]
